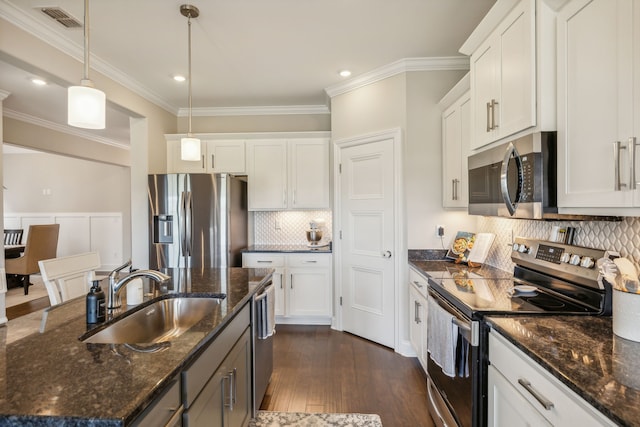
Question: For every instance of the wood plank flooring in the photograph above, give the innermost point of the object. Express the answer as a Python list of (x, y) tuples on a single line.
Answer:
[(27, 307), (317, 369)]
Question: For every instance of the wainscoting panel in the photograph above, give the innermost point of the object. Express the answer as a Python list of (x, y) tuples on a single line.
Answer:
[(79, 232)]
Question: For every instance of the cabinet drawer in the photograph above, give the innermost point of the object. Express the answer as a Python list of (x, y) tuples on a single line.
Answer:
[(568, 408), (197, 375), (165, 411), (262, 260), (418, 281), (309, 260)]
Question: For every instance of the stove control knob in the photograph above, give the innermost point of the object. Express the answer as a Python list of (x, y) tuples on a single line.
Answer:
[(524, 249), (565, 257), (574, 260), (516, 246), (587, 262)]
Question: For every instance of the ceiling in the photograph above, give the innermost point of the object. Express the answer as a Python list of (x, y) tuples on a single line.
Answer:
[(246, 53)]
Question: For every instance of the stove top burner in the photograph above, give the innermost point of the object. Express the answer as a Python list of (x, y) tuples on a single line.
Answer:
[(545, 302)]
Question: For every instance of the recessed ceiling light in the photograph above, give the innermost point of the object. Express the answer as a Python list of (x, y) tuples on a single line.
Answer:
[(345, 73), (179, 78), (37, 81)]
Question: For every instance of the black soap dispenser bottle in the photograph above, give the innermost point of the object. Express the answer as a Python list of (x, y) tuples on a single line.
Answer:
[(96, 304)]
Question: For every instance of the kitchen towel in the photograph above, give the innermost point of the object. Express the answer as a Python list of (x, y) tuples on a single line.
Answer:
[(441, 337)]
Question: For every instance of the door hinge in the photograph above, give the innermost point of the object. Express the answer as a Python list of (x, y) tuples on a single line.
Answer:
[(340, 300)]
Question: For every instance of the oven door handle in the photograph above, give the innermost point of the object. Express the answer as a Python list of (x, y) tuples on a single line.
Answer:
[(471, 332)]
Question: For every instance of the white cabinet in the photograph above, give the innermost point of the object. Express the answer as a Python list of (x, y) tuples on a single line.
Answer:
[(598, 103), (303, 283), (521, 393), (218, 156), (503, 78), (456, 133), (288, 174), (418, 316)]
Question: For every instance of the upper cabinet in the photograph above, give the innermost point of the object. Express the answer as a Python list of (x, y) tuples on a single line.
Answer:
[(598, 45), (288, 174), (512, 71), (218, 156), (456, 133)]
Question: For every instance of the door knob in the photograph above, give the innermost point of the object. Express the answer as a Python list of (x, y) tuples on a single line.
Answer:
[(386, 254)]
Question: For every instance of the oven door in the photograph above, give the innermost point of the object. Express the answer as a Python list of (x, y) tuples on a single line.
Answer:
[(453, 393)]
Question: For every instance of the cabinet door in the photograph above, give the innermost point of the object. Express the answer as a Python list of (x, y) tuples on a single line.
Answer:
[(506, 407), (417, 320), (309, 292), (226, 157), (517, 108), (455, 144), (176, 165), (208, 408), (238, 367), (485, 75), (279, 284), (267, 171), (595, 101), (309, 174)]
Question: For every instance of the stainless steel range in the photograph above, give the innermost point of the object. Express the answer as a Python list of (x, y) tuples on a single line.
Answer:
[(549, 279)]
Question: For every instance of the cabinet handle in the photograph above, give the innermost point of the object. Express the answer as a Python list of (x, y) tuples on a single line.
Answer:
[(213, 163), (454, 188), (291, 280), (493, 114), (617, 147), (234, 387), (540, 398), (284, 198), (294, 197), (418, 284), (416, 317), (281, 284), (488, 118), (260, 261), (227, 403), (203, 165), (312, 261), (631, 144)]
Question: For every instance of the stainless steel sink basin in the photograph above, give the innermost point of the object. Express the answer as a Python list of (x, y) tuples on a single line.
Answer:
[(159, 322)]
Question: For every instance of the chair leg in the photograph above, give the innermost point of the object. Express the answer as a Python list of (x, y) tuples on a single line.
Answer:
[(25, 284)]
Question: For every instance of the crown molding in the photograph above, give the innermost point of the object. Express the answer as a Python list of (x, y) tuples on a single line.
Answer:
[(27, 23), (4, 94), (62, 128), (401, 66), (272, 110)]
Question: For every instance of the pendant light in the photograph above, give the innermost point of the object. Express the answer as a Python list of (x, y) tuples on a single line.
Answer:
[(189, 146), (86, 104)]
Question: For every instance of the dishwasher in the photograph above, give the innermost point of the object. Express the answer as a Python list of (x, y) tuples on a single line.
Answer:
[(263, 322)]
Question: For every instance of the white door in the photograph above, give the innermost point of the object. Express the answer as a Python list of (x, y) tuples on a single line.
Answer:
[(367, 226)]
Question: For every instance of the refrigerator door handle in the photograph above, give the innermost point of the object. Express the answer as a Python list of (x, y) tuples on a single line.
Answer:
[(182, 223), (188, 220)]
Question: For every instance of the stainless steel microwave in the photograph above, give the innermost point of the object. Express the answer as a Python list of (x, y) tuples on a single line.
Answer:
[(517, 179)]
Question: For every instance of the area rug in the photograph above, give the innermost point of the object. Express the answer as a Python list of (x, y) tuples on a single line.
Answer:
[(301, 419)]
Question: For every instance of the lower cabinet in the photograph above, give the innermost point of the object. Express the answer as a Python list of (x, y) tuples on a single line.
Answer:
[(166, 410), (521, 393), (216, 387), (418, 316), (303, 283)]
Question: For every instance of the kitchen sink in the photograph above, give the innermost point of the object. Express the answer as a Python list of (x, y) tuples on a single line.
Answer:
[(158, 322)]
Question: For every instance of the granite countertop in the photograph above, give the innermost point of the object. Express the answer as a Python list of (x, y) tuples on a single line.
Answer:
[(51, 378), (289, 248), (440, 268), (584, 354)]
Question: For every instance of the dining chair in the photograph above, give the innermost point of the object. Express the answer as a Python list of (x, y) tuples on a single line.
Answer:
[(69, 277), (13, 236), (42, 243)]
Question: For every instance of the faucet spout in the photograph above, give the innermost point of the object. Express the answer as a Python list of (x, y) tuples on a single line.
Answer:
[(115, 287)]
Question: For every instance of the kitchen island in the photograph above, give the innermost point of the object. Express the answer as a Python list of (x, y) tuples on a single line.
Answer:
[(55, 379)]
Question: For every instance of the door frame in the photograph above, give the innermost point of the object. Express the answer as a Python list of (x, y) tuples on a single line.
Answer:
[(401, 292)]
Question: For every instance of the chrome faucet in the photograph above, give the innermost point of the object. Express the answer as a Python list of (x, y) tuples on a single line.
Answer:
[(115, 286)]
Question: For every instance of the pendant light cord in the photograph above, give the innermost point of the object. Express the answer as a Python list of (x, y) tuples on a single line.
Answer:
[(86, 40), (189, 24)]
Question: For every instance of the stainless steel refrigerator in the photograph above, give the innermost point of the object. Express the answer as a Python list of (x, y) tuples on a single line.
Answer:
[(197, 220)]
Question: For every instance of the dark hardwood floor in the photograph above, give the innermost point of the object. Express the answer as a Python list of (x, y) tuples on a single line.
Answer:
[(27, 307), (317, 369)]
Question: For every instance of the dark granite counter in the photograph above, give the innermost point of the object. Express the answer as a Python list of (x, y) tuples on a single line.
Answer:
[(584, 354), (55, 379), (288, 248)]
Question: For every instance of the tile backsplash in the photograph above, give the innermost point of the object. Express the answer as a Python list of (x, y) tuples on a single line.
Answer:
[(622, 236), (292, 227)]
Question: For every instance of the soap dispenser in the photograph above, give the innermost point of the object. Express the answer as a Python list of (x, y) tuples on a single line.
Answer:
[(96, 304)]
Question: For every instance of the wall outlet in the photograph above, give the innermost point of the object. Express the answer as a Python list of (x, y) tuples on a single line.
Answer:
[(440, 230), (277, 224)]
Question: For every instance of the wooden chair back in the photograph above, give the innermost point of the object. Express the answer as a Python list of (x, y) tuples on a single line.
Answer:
[(13, 236), (42, 243), (69, 277)]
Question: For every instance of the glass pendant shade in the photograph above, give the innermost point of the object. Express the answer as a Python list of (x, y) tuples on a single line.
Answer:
[(86, 107), (190, 149)]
